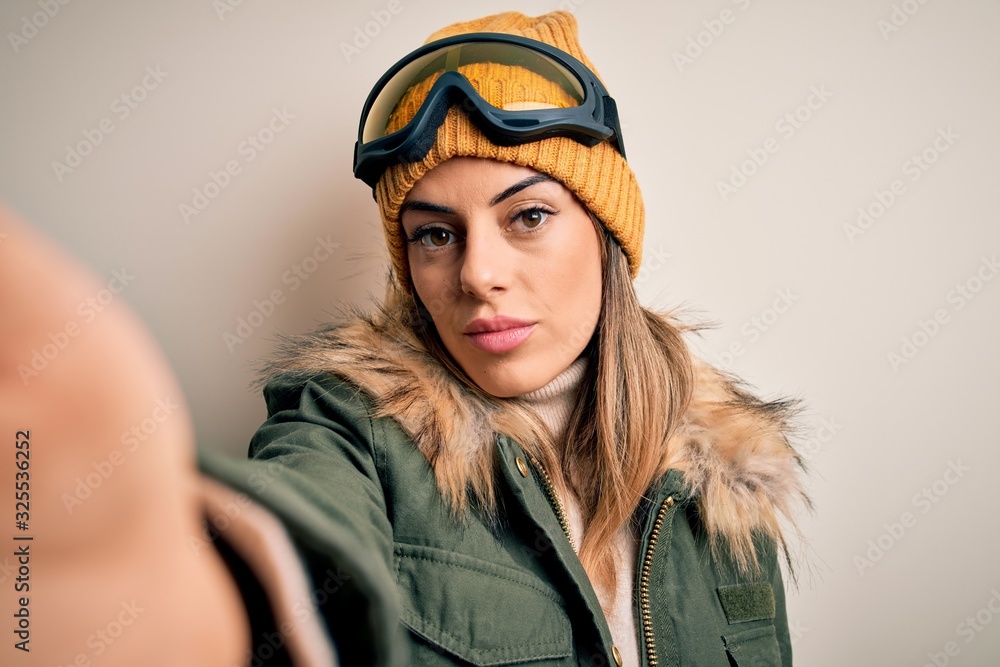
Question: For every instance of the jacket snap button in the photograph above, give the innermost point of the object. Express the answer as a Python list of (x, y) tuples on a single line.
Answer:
[(522, 467), (618, 656)]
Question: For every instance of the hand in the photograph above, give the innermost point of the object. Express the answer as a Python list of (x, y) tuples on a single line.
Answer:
[(113, 501)]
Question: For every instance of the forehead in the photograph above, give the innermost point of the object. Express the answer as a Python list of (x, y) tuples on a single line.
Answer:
[(469, 177)]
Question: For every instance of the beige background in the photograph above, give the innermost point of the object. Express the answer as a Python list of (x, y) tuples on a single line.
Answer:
[(807, 306)]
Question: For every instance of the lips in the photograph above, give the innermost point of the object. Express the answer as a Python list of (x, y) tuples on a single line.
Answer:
[(498, 323), (499, 334)]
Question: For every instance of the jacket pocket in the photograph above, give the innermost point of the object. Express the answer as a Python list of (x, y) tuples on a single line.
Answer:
[(481, 612), (753, 647)]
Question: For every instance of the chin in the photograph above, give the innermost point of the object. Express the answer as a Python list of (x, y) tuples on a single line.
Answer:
[(500, 388), (512, 381)]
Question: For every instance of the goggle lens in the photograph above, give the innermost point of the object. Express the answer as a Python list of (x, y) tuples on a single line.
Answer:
[(453, 58)]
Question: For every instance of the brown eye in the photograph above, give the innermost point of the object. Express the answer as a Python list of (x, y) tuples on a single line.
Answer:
[(533, 217), (434, 237), (438, 237)]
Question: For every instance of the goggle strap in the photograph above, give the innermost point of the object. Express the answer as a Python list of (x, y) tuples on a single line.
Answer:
[(611, 120)]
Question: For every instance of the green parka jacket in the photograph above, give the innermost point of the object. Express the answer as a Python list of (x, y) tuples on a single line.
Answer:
[(362, 427)]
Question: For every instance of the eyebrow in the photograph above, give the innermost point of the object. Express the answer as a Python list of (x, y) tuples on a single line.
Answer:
[(417, 205), (517, 187)]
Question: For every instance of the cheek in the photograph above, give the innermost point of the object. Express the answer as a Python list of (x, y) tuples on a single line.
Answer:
[(582, 262), (431, 285), (575, 282)]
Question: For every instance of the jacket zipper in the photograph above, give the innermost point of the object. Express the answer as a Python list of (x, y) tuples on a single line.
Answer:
[(550, 491), (647, 564)]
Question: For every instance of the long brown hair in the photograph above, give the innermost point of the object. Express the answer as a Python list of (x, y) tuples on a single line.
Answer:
[(637, 384)]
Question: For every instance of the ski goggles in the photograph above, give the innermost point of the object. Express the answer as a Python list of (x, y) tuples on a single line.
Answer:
[(584, 110)]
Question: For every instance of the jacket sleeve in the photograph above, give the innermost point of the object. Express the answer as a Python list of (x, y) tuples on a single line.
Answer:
[(315, 466)]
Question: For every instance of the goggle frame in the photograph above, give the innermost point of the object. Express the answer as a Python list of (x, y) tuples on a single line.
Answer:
[(594, 120)]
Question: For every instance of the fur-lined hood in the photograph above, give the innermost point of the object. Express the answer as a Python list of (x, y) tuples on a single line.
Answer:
[(731, 447)]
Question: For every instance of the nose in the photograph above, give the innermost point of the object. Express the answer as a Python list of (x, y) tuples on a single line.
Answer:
[(486, 264)]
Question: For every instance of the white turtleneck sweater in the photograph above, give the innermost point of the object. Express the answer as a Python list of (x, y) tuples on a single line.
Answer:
[(553, 403)]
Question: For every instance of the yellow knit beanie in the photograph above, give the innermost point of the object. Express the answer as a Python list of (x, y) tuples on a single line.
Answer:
[(597, 175)]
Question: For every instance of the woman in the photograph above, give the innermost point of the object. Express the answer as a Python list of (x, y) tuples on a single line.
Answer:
[(511, 461), (535, 460)]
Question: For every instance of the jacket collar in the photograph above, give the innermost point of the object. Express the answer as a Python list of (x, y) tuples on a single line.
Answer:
[(730, 449)]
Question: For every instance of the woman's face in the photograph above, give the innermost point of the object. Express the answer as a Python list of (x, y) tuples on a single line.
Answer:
[(508, 263)]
